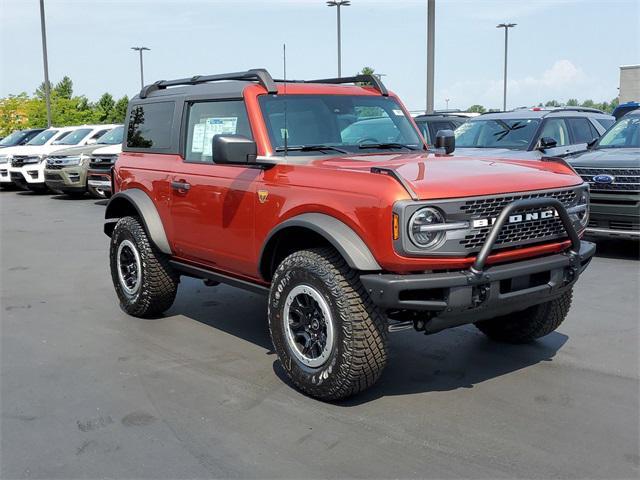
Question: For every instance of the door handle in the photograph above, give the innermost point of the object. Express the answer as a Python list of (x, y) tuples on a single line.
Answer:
[(181, 185)]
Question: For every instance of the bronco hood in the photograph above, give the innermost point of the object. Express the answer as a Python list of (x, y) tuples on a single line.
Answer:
[(432, 176)]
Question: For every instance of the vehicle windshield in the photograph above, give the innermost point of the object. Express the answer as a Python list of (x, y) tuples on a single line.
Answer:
[(514, 134), (14, 138), (319, 124), (113, 137), (624, 134), (74, 137), (42, 137)]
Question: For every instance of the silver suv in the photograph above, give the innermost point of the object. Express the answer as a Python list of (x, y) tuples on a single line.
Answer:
[(532, 133)]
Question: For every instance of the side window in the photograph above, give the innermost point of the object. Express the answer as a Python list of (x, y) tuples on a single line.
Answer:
[(150, 125), (605, 122), (424, 130), (98, 134), (207, 119), (556, 128), (583, 131)]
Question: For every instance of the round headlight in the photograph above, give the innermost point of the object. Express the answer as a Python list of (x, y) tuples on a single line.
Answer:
[(421, 227)]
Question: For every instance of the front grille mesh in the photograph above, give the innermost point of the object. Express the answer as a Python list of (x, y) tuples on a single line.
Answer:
[(491, 207), (626, 180), (19, 160), (531, 231), (102, 162)]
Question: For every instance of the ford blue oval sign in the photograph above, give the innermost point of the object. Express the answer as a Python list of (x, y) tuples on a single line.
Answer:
[(603, 178)]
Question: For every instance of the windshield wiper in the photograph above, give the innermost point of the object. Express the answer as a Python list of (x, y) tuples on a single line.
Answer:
[(508, 129), (310, 148), (385, 146)]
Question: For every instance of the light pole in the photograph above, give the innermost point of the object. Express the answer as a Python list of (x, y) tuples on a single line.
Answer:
[(431, 49), (141, 49), (506, 27), (446, 100), (338, 4), (47, 89)]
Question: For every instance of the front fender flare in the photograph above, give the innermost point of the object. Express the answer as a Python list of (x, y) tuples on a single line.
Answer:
[(342, 237), (120, 205)]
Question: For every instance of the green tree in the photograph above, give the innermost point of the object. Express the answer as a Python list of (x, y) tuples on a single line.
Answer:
[(572, 102), (552, 103), (119, 110), (64, 88), (40, 93), (588, 104), (13, 113), (476, 109), (367, 71), (104, 107)]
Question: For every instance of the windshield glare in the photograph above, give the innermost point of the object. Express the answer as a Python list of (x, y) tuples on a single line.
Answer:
[(13, 139), (42, 138), (624, 134), (74, 137), (515, 134), (113, 137), (345, 122)]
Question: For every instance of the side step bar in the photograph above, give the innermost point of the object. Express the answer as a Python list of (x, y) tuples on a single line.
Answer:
[(199, 272)]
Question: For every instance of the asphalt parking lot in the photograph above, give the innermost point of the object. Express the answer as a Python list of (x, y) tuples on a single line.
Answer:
[(88, 392)]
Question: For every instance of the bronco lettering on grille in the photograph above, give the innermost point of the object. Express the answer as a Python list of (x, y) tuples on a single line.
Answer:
[(516, 218)]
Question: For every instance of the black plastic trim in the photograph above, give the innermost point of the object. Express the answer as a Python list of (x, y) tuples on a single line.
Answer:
[(458, 301), (199, 272), (347, 242), (261, 75), (146, 211), (393, 173)]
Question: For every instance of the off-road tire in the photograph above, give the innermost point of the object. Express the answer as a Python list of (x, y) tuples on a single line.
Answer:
[(159, 281), (360, 350), (530, 324)]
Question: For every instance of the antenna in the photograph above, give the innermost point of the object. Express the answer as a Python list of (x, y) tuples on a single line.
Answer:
[(284, 65)]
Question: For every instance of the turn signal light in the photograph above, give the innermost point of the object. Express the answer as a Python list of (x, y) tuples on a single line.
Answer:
[(396, 226)]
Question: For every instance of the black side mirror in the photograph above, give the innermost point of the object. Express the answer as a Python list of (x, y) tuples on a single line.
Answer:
[(547, 142), (233, 149), (446, 140), (592, 143)]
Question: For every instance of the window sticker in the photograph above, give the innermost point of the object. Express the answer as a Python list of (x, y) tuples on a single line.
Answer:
[(399, 113), (217, 126), (197, 142)]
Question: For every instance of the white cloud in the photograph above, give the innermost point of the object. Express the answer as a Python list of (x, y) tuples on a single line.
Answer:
[(561, 81)]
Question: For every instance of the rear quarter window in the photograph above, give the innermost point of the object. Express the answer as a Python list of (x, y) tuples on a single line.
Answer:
[(606, 122), (149, 126)]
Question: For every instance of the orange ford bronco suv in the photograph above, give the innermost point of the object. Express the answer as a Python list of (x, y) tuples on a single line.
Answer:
[(276, 187)]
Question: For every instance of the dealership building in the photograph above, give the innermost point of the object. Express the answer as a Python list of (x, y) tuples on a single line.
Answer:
[(629, 83)]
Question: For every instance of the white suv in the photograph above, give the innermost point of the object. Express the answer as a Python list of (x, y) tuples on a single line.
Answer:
[(26, 164)]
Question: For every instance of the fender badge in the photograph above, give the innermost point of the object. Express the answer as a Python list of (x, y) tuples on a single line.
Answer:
[(262, 195)]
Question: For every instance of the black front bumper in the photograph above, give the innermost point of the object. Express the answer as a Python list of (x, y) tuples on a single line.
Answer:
[(456, 298)]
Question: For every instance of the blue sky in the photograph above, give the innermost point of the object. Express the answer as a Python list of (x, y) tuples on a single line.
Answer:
[(559, 49)]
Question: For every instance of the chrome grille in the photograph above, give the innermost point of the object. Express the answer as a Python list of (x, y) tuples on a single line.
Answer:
[(625, 179), (525, 232), (19, 160), (102, 161)]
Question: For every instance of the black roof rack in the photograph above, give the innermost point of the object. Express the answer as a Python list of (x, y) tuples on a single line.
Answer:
[(372, 79), (260, 74), (574, 109), (443, 114)]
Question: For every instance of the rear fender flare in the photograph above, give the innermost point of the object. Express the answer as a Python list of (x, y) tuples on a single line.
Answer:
[(120, 206)]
